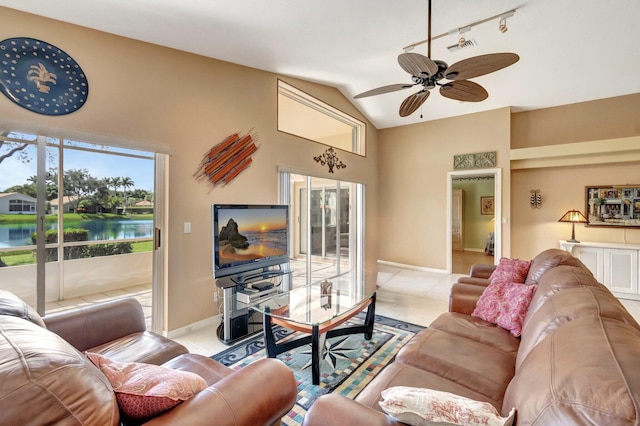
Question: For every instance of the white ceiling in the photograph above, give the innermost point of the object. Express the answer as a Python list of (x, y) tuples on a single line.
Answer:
[(570, 50)]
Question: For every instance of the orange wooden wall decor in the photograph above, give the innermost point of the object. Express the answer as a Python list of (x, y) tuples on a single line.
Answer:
[(226, 160)]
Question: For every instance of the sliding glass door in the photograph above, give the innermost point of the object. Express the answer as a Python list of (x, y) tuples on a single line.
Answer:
[(76, 219), (327, 218)]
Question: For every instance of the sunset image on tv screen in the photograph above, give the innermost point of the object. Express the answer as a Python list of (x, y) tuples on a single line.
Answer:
[(248, 234)]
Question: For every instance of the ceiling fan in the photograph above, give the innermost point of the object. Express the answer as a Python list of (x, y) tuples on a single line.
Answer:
[(452, 80)]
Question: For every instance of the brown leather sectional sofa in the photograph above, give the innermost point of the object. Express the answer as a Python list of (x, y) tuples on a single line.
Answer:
[(45, 379), (577, 361)]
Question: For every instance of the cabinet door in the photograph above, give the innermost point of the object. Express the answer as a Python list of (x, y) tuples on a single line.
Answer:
[(621, 270), (592, 257)]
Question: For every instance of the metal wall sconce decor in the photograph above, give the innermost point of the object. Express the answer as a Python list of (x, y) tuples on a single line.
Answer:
[(225, 161), (481, 160), (535, 199), (40, 77), (330, 158)]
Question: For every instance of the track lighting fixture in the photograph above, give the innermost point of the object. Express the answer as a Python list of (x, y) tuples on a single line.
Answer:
[(462, 40), (502, 26)]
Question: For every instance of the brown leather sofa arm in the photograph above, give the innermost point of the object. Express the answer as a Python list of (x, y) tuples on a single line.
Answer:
[(478, 275), (482, 270), (258, 394), (463, 297), (336, 410)]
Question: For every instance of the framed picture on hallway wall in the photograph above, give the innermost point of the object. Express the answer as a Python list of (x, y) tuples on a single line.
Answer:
[(486, 205)]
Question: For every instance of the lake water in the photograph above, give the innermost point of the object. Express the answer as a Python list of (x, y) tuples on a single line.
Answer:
[(19, 234)]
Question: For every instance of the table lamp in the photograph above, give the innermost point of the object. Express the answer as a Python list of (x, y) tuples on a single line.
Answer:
[(573, 216)]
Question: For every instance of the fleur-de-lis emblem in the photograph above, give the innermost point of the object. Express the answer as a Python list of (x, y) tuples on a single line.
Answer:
[(40, 76)]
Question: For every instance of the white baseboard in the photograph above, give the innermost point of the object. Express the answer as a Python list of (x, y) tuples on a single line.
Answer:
[(211, 323), (413, 267)]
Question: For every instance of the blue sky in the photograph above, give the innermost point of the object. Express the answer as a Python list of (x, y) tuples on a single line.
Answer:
[(15, 172)]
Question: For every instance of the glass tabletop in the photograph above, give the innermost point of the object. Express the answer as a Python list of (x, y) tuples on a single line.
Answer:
[(313, 304)]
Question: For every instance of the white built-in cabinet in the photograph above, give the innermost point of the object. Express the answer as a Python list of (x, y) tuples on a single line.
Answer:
[(614, 265)]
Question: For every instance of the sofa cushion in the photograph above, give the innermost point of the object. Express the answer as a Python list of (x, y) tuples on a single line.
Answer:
[(505, 304), (586, 372), (145, 347), (211, 371), (147, 390), (565, 306), (12, 305), (45, 380), (547, 260), (398, 374), (510, 270), (425, 407), (481, 331), (481, 368)]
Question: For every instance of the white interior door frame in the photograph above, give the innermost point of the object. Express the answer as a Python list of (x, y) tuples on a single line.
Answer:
[(497, 193)]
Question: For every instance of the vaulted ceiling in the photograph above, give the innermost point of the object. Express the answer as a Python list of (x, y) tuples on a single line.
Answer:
[(570, 50)]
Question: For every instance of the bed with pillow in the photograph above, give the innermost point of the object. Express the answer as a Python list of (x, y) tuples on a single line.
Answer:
[(536, 342)]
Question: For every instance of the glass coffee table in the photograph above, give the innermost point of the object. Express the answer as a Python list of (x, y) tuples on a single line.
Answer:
[(318, 310)]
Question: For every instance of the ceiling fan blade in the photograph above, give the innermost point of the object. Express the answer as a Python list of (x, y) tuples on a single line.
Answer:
[(417, 64), (480, 65), (383, 89), (464, 90), (412, 103)]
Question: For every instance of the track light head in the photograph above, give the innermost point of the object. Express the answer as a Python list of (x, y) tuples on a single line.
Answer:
[(503, 25)]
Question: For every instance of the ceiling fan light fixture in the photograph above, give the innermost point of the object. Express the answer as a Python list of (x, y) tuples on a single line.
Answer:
[(428, 72)]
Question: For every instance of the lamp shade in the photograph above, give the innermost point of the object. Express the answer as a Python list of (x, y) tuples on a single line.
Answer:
[(573, 216)]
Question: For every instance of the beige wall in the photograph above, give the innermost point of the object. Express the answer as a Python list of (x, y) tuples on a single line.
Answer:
[(147, 95), (563, 189), (593, 128), (587, 121), (414, 161)]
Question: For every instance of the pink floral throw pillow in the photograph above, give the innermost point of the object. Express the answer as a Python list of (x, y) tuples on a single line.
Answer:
[(516, 298), (511, 270), (489, 304), (146, 390), (505, 304), (419, 406)]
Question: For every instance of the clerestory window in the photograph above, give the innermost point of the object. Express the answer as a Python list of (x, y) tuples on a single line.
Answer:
[(303, 115)]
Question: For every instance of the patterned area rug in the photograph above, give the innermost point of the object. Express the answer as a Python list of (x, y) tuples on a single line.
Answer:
[(349, 364)]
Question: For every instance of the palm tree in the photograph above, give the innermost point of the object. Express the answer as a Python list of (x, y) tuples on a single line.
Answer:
[(126, 183), (115, 182)]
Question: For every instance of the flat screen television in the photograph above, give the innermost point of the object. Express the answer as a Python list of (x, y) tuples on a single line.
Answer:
[(249, 238)]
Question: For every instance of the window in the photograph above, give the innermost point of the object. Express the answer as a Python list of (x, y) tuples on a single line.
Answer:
[(305, 116), (22, 206)]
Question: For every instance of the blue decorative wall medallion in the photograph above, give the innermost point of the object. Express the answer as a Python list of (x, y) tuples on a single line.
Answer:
[(40, 77)]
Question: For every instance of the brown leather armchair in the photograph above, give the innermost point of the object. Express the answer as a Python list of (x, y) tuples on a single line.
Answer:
[(45, 379)]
